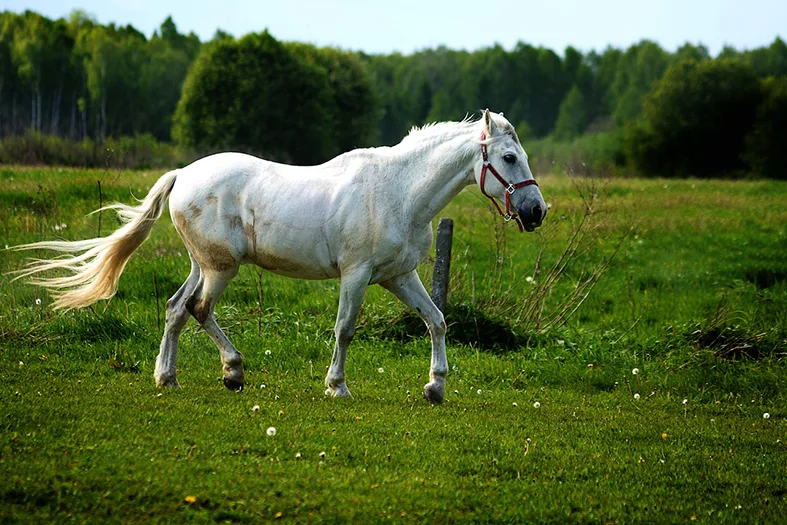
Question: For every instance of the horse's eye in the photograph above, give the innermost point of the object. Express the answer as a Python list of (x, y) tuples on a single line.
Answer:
[(509, 157)]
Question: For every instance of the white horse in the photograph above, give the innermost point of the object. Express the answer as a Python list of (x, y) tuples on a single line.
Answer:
[(364, 217)]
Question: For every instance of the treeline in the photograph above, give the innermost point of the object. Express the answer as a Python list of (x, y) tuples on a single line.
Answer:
[(643, 108)]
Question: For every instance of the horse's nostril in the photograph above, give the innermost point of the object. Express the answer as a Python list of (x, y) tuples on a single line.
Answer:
[(538, 213)]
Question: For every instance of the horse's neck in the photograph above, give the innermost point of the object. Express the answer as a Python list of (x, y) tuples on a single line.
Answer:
[(438, 173)]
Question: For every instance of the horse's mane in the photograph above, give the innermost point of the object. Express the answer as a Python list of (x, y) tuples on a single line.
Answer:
[(441, 129)]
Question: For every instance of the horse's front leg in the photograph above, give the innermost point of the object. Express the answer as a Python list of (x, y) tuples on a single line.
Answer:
[(353, 286), (409, 289)]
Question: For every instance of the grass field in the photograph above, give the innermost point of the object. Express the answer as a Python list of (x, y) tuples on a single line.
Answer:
[(540, 424)]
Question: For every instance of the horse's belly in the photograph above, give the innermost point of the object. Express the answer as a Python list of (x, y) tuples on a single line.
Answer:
[(294, 268), (308, 261)]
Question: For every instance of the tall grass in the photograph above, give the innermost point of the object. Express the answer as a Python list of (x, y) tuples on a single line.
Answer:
[(140, 152)]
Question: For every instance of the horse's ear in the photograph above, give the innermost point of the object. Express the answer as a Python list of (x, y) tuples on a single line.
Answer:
[(490, 128)]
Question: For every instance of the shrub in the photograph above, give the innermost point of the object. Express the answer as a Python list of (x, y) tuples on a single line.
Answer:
[(695, 119)]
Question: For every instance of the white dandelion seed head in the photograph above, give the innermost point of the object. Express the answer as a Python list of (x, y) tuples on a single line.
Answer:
[(636, 396), (478, 392), (276, 398), (381, 370), (298, 455), (456, 392), (766, 416), (63, 226), (635, 371), (262, 385), (515, 405), (255, 408), (685, 401), (529, 279), (268, 352), (271, 431), (536, 405), (322, 455), (38, 302)]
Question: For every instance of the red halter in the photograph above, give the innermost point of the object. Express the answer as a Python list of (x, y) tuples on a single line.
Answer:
[(509, 188)]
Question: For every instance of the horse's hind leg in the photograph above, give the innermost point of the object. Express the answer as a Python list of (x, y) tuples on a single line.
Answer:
[(176, 318), (201, 304)]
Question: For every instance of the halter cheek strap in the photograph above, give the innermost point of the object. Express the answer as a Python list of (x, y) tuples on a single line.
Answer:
[(509, 188)]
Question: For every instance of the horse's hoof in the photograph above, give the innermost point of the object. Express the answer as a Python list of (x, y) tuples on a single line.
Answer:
[(233, 384), (338, 391), (434, 393), (167, 382)]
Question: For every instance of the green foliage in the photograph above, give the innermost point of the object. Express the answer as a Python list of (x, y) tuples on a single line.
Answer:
[(765, 144), (293, 103), (695, 120), (76, 78), (572, 118), (353, 107)]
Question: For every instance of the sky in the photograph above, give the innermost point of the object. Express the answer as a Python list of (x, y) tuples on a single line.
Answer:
[(410, 25)]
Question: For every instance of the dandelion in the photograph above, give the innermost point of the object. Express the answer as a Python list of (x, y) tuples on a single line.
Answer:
[(255, 408), (536, 404), (63, 226), (262, 385), (766, 416), (478, 391), (271, 431), (456, 392), (57, 227), (21, 363), (268, 352), (381, 370), (515, 405), (276, 398), (529, 279), (38, 302), (635, 371), (322, 455), (685, 401), (636, 396), (297, 455), (190, 499)]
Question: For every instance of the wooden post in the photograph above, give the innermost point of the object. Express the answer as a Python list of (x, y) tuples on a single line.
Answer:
[(442, 263)]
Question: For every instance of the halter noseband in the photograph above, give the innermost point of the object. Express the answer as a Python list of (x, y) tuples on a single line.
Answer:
[(509, 188)]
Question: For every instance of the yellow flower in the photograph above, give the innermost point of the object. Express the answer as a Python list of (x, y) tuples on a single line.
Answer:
[(190, 499)]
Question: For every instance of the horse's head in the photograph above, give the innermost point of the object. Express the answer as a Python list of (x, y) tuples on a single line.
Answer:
[(504, 174)]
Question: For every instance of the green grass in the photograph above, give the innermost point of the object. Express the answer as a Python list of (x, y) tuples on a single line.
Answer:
[(699, 285)]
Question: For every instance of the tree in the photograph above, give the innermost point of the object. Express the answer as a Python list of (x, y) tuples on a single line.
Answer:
[(695, 119), (353, 112), (573, 115), (765, 145), (256, 95)]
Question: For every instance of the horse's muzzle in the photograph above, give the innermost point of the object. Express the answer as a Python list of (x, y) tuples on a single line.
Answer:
[(532, 217)]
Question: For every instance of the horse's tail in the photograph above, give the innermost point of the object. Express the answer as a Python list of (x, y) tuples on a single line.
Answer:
[(96, 272)]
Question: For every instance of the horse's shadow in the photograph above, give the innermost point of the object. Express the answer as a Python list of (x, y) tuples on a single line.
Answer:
[(466, 326)]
